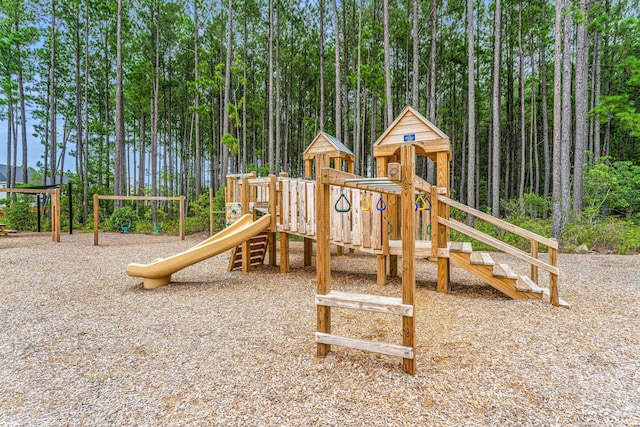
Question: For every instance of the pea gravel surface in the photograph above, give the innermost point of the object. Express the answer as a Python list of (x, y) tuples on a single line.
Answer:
[(82, 344)]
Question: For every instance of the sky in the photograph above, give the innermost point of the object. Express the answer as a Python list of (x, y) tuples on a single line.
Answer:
[(35, 150)]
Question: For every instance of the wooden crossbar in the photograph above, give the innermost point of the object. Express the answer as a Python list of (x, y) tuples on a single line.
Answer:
[(375, 347)]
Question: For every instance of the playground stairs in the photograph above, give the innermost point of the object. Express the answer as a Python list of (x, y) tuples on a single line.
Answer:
[(498, 275), (367, 302), (258, 248)]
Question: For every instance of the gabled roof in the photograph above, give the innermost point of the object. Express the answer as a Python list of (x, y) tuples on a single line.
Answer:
[(18, 172), (325, 143), (411, 127)]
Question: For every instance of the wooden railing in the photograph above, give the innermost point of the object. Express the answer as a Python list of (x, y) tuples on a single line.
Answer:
[(532, 257)]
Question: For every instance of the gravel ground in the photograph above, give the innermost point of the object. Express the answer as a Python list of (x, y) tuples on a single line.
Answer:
[(83, 344)]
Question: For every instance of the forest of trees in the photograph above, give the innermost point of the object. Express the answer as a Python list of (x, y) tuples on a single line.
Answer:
[(167, 97)]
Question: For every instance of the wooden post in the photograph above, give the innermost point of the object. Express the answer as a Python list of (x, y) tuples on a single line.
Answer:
[(434, 221), (395, 220), (246, 245), (323, 261), (337, 164), (210, 211), (229, 191), (284, 253), (534, 268), (181, 219), (553, 278), (308, 251), (273, 206), (443, 231), (408, 252), (308, 168), (96, 215), (381, 264)]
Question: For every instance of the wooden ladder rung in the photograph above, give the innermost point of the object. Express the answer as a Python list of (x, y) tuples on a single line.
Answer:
[(376, 347), (367, 302)]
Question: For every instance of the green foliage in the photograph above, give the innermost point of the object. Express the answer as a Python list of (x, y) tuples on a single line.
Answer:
[(198, 218), (123, 217), (528, 206), (21, 214), (259, 170), (612, 189), (231, 142), (601, 234)]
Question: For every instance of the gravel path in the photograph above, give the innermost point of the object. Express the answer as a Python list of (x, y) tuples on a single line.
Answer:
[(83, 344)]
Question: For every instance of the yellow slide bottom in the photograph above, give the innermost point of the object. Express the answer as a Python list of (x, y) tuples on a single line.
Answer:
[(158, 273)]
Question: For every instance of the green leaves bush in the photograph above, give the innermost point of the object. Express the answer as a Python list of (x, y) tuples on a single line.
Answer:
[(20, 214), (123, 217)]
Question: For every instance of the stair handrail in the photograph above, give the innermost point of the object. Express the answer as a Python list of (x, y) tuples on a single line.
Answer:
[(532, 258)]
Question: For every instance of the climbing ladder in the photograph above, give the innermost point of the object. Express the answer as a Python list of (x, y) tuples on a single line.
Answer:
[(258, 248), (367, 302)]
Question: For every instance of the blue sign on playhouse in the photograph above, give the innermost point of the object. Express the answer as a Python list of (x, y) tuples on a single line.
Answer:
[(409, 137)]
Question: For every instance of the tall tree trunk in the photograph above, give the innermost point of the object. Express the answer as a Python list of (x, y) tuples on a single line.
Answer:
[(10, 164), (79, 132), (471, 112), (433, 17), (321, 49), (142, 151), (495, 97), (581, 101), (415, 92), (557, 122), (523, 138), (596, 95), (277, 100), (85, 169), (197, 172), (565, 140), (387, 68), (227, 88), (118, 172), (52, 99), (357, 124), (154, 121), (23, 113), (338, 100), (545, 113), (243, 168), (272, 168)]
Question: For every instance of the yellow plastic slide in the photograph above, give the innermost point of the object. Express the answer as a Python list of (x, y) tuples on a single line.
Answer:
[(158, 273)]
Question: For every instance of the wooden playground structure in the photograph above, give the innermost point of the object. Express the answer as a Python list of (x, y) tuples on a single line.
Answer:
[(395, 214), (54, 193)]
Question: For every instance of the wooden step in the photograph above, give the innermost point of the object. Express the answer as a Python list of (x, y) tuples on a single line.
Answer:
[(367, 302), (376, 347), (482, 258), (460, 247), (504, 272), (525, 284)]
